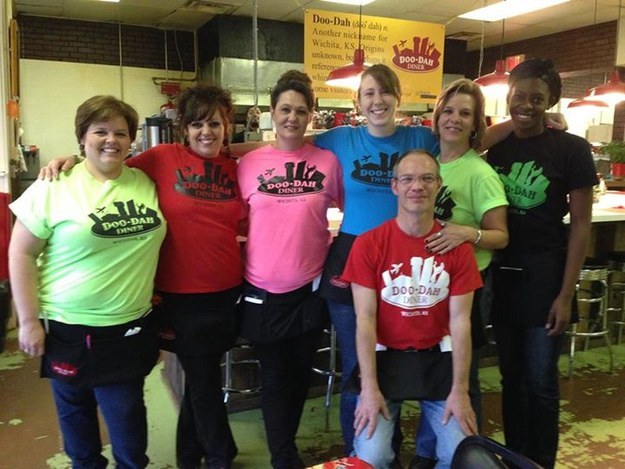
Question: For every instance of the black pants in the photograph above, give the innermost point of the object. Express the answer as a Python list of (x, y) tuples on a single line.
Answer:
[(285, 376), (205, 328), (203, 428)]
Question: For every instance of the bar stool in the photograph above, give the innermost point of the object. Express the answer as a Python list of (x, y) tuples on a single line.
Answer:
[(245, 349), (330, 372), (591, 290), (616, 287)]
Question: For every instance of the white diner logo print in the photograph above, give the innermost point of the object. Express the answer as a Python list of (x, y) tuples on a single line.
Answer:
[(427, 284)]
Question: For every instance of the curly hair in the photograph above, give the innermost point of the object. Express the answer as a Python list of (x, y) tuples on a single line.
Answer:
[(201, 101)]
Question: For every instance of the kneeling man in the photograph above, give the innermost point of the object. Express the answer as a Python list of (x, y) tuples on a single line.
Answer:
[(413, 332)]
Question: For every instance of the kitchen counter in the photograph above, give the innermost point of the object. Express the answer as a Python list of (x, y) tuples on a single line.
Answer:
[(608, 231)]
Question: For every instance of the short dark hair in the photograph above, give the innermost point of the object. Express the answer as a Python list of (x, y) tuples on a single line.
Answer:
[(421, 151), (294, 80), (201, 101), (102, 108), (543, 69), (468, 87)]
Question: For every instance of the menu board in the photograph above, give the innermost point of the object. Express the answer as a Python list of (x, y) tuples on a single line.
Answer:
[(414, 50)]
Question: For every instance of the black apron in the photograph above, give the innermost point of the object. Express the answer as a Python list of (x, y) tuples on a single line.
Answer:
[(524, 287), (267, 318), (410, 375), (96, 356)]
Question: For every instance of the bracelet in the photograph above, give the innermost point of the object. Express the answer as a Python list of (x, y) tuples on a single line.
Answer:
[(479, 237)]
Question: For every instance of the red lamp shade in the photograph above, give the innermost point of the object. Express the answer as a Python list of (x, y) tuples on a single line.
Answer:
[(495, 83), (611, 92), (587, 103), (348, 76)]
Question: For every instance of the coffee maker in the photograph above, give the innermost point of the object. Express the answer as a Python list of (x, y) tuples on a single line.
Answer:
[(157, 129)]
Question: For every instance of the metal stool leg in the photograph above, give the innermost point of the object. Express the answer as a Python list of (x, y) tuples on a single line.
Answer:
[(605, 328), (621, 322), (616, 264), (598, 324), (572, 348), (227, 376), (331, 373), (228, 365)]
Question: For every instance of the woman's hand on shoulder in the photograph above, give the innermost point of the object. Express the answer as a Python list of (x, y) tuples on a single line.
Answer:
[(556, 120), (55, 165), (449, 237)]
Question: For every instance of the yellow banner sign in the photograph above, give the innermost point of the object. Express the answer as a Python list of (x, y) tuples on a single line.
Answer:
[(414, 50)]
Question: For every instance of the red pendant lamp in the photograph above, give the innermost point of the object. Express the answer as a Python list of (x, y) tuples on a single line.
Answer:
[(496, 83), (348, 76), (612, 92), (587, 103)]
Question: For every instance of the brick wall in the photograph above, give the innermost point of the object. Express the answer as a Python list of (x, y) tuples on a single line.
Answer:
[(584, 57), (576, 52), (98, 43), (591, 47)]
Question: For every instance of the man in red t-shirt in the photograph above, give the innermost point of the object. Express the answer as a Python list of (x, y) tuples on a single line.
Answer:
[(413, 308)]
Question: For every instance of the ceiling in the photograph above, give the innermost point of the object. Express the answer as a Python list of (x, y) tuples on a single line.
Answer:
[(192, 14)]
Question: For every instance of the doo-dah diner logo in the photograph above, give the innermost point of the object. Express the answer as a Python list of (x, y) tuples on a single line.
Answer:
[(422, 57)]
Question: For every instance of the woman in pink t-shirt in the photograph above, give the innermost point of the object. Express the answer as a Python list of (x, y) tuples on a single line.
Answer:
[(287, 187)]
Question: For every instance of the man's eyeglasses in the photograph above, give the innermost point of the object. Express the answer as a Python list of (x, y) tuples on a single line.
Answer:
[(409, 179)]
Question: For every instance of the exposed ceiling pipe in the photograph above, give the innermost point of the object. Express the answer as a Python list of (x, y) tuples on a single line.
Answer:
[(159, 80), (255, 43)]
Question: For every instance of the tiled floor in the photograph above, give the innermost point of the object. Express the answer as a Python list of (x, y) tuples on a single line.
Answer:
[(592, 429)]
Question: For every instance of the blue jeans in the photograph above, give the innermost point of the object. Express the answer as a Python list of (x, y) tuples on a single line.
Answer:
[(425, 438), (125, 415), (343, 318), (528, 362), (378, 450)]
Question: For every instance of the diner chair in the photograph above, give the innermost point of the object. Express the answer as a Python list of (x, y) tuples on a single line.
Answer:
[(330, 372), (480, 452), (590, 309), (616, 286), (240, 356)]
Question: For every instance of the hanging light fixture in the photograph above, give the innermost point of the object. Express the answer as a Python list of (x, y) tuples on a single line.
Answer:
[(587, 103), (348, 76), (613, 91), (496, 83)]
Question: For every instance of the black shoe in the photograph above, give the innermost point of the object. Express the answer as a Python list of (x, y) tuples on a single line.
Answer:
[(421, 462), (182, 465)]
